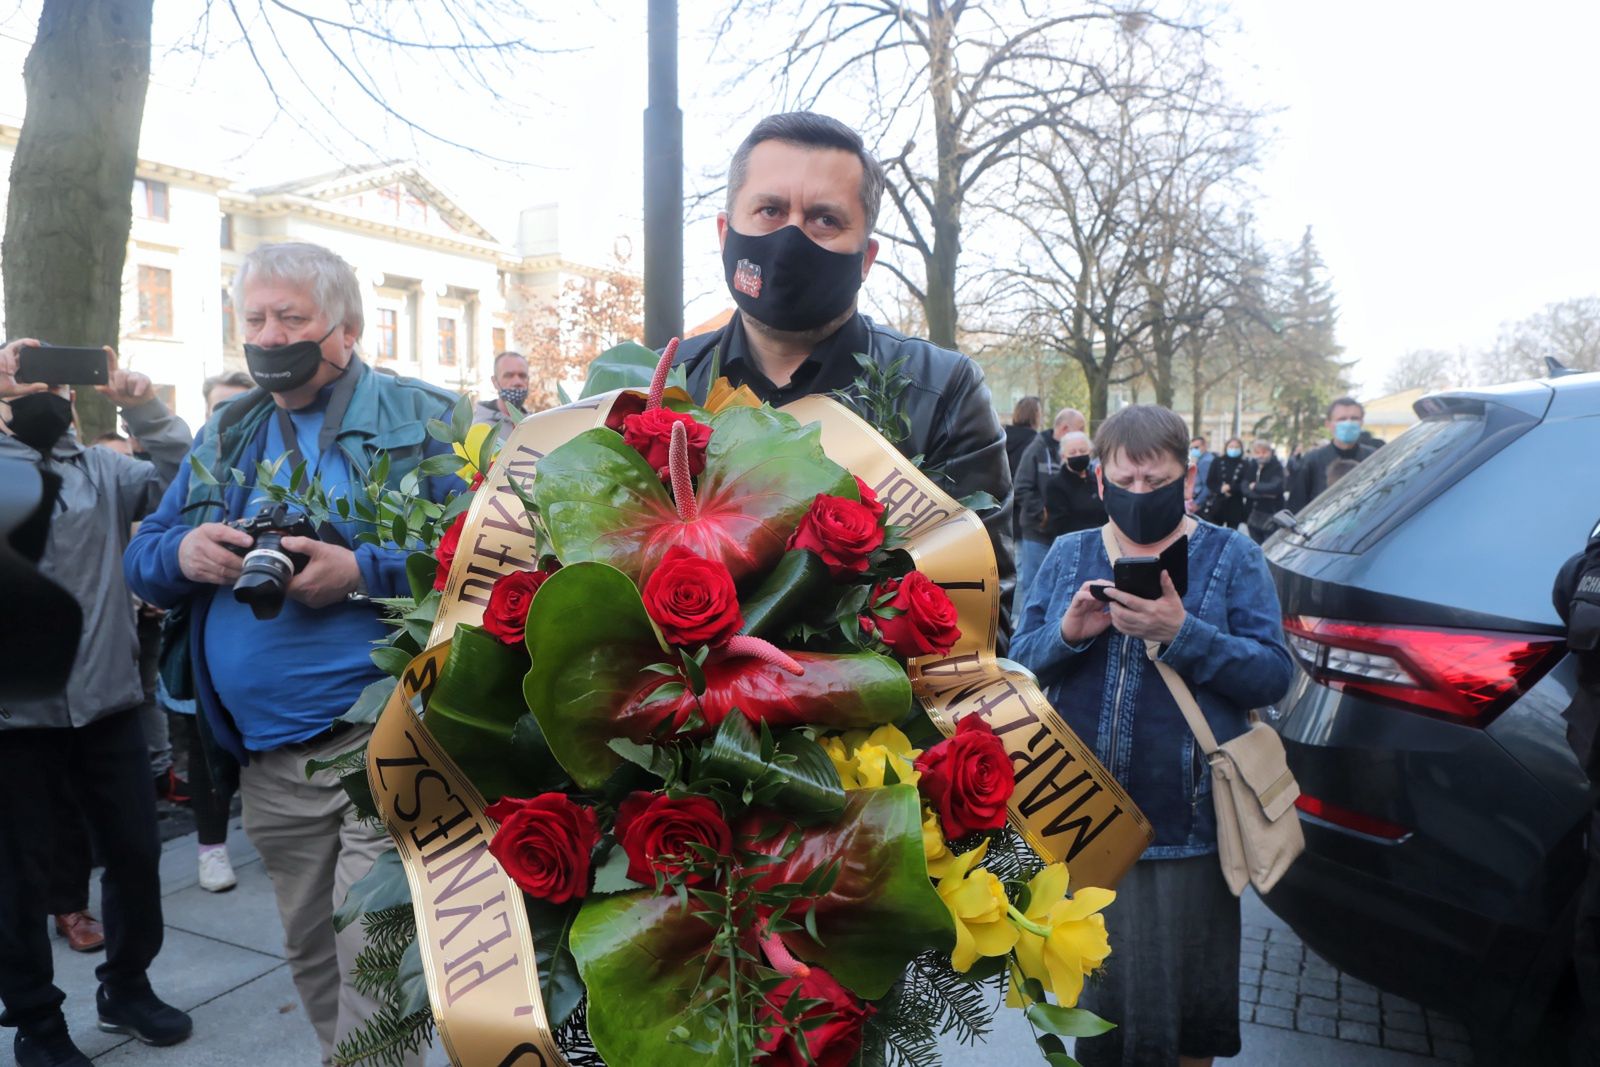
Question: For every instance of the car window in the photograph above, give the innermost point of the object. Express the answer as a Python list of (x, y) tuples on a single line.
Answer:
[(1394, 476)]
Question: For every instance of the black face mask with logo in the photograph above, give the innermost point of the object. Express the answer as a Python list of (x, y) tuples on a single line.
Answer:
[(285, 367), (1144, 517), (787, 281), (39, 419)]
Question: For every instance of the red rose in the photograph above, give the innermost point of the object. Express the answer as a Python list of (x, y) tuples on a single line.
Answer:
[(650, 434), (692, 599), (477, 480), (968, 777), (656, 831), (843, 532), (834, 1042), (869, 499), (446, 552), (544, 844), (506, 617), (926, 623)]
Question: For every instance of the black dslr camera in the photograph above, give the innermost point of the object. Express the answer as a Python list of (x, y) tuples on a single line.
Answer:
[(268, 566)]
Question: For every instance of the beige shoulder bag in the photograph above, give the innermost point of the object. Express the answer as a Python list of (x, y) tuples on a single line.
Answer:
[(1258, 833)]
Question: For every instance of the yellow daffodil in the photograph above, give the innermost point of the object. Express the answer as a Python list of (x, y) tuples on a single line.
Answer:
[(978, 904), (1061, 938), (934, 850), (475, 438), (862, 758)]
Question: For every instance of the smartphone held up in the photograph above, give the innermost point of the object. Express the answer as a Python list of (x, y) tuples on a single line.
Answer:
[(60, 365)]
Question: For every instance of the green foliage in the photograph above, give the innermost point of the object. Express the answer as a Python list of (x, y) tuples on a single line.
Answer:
[(878, 396), (627, 366), (931, 999), (384, 970), (380, 888)]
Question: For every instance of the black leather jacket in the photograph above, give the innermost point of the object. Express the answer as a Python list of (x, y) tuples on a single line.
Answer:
[(954, 427)]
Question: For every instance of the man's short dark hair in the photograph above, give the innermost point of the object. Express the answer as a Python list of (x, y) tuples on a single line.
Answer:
[(502, 355), (1142, 432), (807, 129), (237, 379), (1346, 402)]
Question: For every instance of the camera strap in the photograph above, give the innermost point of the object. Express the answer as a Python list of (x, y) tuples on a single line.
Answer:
[(332, 420)]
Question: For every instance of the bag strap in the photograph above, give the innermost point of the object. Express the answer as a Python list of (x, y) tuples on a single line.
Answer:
[(1175, 683)]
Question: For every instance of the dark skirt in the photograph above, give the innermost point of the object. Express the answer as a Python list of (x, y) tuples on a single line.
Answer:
[(1171, 983)]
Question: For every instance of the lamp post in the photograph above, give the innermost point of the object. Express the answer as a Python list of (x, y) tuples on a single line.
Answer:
[(663, 181)]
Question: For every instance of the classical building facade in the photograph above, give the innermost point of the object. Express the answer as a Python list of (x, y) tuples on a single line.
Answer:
[(441, 294)]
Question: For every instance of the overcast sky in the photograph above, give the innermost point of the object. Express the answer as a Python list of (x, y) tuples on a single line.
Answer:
[(1444, 153)]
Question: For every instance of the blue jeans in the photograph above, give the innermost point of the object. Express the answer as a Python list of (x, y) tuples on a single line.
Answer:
[(1030, 555)]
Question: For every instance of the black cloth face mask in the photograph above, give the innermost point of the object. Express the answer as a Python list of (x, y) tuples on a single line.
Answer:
[(1145, 517), (285, 367), (1077, 464), (787, 281), (39, 419)]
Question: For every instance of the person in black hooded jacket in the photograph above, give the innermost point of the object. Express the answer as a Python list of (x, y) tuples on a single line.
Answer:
[(1263, 489), (1227, 505)]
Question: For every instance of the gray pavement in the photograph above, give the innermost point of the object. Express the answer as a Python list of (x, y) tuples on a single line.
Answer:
[(223, 962)]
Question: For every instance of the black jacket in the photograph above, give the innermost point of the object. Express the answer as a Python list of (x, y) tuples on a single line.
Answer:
[(1018, 438), (1040, 460), (1263, 488), (1311, 476), (1072, 503), (953, 423), (1227, 509)]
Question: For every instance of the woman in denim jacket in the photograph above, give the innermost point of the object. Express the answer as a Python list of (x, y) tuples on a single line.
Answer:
[(1172, 981)]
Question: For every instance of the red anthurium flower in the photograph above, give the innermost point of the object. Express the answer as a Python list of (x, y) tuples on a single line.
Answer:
[(656, 831), (843, 532), (926, 620), (506, 617)]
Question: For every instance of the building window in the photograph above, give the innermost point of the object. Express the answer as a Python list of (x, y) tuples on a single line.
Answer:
[(227, 232), (230, 326), (499, 339), (388, 333), (447, 341), (155, 301), (150, 199)]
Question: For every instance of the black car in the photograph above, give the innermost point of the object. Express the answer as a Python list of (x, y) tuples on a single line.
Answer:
[(1443, 809)]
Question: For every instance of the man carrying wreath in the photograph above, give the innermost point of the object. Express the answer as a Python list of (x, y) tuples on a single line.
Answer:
[(796, 238)]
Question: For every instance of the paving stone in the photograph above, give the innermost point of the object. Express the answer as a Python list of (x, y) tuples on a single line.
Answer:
[(1361, 1013), (1278, 998), (1317, 968), (1394, 1003), (1452, 1051), (1249, 992), (1250, 932), (1249, 974), (1354, 1031), (1410, 1022), (1278, 980), (1283, 1018), (1283, 965), (1319, 987), (1357, 993), (1404, 1041), (1321, 1025), (1318, 1006), (1246, 1012)]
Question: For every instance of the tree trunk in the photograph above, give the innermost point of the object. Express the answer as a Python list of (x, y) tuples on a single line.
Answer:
[(70, 205), (939, 302)]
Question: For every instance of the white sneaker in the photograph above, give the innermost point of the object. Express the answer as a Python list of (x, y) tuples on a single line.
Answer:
[(216, 873)]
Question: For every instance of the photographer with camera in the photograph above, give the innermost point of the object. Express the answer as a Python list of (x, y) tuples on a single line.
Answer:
[(280, 621), (88, 737)]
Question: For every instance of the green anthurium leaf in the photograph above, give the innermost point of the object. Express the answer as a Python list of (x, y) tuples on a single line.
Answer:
[(391, 660), (804, 784), (532, 756), (1067, 1022), (474, 709), (589, 640), (641, 955), (799, 578), (370, 704), (881, 909), (626, 366), (358, 787), (411, 981), (384, 886), (420, 570), (1060, 1059), (559, 983), (601, 502)]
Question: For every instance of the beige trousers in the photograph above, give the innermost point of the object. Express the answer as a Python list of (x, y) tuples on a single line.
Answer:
[(314, 847)]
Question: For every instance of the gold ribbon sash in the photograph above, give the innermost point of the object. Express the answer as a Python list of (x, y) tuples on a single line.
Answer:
[(476, 946)]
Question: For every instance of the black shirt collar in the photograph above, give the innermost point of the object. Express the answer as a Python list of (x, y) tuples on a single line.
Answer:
[(831, 367)]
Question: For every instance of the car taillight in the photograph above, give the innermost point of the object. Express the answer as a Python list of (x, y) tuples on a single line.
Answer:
[(1467, 676), (1370, 825)]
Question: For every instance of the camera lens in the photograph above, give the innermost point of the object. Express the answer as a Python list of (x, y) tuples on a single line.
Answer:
[(264, 577)]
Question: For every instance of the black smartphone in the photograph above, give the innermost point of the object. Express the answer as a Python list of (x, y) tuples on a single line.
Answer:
[(1139, 576), (53, 365)]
